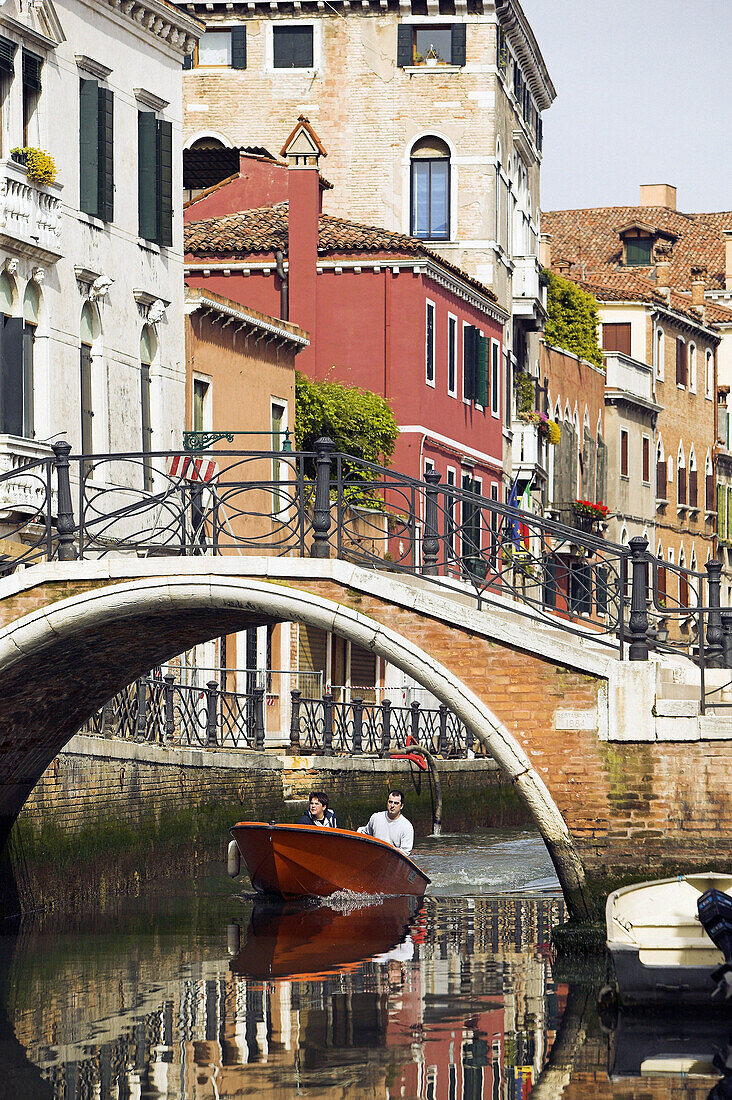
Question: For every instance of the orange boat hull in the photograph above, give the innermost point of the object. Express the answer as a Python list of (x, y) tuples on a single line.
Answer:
[(287, 942), (294, 861)]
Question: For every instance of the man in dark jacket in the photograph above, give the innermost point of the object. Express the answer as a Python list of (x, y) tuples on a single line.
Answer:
[(318, 812)]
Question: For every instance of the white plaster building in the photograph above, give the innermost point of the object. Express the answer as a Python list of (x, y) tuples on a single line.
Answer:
[(91, 272)]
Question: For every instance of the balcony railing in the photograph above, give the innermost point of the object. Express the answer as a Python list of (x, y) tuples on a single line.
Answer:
[(529, 448), (629, 375), (30, 215), (528, 293)]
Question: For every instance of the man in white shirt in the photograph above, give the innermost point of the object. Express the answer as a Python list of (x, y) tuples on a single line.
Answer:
[(390, 824)]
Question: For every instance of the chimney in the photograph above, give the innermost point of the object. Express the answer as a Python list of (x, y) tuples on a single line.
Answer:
[(545, 250), (662, 269), (697, 286), (303, 152), (658, 194), (727, 259)]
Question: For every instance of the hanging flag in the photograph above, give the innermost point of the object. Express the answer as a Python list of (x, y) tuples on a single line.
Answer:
[(526, 507), (513, 526)]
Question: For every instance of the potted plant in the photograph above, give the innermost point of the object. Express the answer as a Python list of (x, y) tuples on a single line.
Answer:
[(547, 428), (587, 513), (41, 167)]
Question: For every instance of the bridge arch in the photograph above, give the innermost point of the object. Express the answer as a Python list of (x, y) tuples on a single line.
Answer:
[(60, 663)]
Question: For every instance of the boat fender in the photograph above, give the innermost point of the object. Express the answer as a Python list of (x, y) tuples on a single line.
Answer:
[(233, 938), (233, 861)]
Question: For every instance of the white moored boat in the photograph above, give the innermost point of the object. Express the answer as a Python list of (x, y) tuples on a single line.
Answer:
[(658, 945)]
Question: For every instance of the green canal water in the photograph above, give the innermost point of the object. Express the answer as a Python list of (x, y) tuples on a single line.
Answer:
[(192, 991)]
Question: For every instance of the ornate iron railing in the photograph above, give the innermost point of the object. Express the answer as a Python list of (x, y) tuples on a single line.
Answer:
[(322, 504)]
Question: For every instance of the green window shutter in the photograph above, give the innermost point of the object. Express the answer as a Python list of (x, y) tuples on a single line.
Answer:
[(239, 48), (164, 174), (7, 55), (729, 513), (188, 61), (457, 43), (405, 49), (11, 365), (146, 175), (32, 66), (721, 511), (468, 359), (88, 147), (482, 392), (105, 154)]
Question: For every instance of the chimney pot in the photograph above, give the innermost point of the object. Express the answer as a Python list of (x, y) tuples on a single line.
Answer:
[(697, 286), (545, 250), (658, 194)]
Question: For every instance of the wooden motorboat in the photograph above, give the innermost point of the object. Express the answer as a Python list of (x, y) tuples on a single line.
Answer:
[(285, 940), (293, 861), (659, 948)]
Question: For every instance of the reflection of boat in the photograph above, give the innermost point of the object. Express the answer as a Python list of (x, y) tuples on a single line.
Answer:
[(294, 861), (678, 1045), (286, 941), (658, 945)]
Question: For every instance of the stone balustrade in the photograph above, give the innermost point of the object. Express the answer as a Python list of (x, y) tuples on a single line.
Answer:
[(30, 214)]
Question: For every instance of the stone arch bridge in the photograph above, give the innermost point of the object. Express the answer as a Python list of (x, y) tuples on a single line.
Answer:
[(621, 782)]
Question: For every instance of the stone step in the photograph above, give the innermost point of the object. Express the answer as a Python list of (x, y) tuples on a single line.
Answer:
[(677, 691), (677, 708)]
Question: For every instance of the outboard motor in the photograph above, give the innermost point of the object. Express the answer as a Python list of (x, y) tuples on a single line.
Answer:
[(715, 914)]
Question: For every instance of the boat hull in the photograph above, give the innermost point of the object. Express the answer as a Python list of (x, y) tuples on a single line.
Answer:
[(294, 861)]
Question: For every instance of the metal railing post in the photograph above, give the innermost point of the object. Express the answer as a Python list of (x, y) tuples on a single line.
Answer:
[(714, 622), (324, 448), (357, 705), (638, 622), (168, 681), (414, 720), (385, 727), (430, 539), (141, 724), (212, 698), (259, 719), (295, 696), (726, 617), (327, 724), (442, 736), (65, 509)]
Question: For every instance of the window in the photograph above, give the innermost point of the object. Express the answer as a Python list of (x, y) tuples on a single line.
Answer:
[(692, 488), (430, 190), (495, 378), (7, 72), (11, 361), (429, 350), (32, 66), (624, 452), (432, 44), (638, 251), (681, 479), (450, 528), (214, 48), (278, 417), (692, 368), (616, 337), (682, 371), (31, 313), (89, 334), (201, 390), (155, 178), (475, 366), (708, 375), (96, 150), (293, 47), (646, 460), (451, 355), (147, 354), (660, 353)]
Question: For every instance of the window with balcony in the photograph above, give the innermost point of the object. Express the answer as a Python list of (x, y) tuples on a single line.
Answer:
[(96, 150), (430, 44), (293, 47), (155, 178), (430, 190), (32, 66)]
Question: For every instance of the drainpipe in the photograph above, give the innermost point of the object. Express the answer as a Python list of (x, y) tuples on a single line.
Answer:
[(284, 289)]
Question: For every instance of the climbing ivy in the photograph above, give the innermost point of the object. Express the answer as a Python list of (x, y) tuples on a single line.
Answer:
[(573, 322), (359, 422)]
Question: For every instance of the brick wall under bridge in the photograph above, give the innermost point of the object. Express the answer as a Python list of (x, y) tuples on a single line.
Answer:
[(617, 790)]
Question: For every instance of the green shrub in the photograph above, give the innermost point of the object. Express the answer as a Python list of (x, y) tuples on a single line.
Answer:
[(573, 322)]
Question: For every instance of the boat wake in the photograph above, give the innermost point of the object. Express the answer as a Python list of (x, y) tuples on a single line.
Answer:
[(346, 901)]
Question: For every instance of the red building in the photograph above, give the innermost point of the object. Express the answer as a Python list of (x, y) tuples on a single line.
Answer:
[(382, 311)]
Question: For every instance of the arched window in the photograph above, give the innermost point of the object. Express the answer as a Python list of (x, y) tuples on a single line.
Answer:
[(430, 189), (31, 316), (148, 348), (90, 332), (692, 368), (692, 487), (661, 473), (709, 374), (681, 476), (15, 400), (660, 353)]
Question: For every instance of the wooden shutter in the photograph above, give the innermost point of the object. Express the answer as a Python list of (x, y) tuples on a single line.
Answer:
[(105, 154), (721, 511), (29, 337), (470, 337), (405, 48), (239, 48), (623, 452), (430, 344), (312, 649), (7, 55), (661, 480), (681, 363), (88, 147), (146, 175), (363, 673), (32, 65), (616, 337), (457, 43), (483, 366), (11, 364), (646, 459), (681, 485), (710, 493), (692, 489), (164, 179)]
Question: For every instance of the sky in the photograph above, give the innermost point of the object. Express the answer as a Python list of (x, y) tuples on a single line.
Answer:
[(644, 90)]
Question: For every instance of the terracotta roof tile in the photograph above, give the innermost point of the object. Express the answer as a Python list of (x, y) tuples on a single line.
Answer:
[(264, 230), (632, 286)]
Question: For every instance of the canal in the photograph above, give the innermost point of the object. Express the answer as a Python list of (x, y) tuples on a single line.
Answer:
[(192, 991)]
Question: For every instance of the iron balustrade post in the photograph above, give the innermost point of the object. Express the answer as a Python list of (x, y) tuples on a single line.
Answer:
[(714, 650), (65, 509), (638, 622), (327, 724), (259, 719), (168, 681), (726, 617), (414, 721), (212, 699), (468, 739), (324, 448), (357, 705), (141, 724), (295, 697), (385, 727), (442, 736), (430, 541)]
